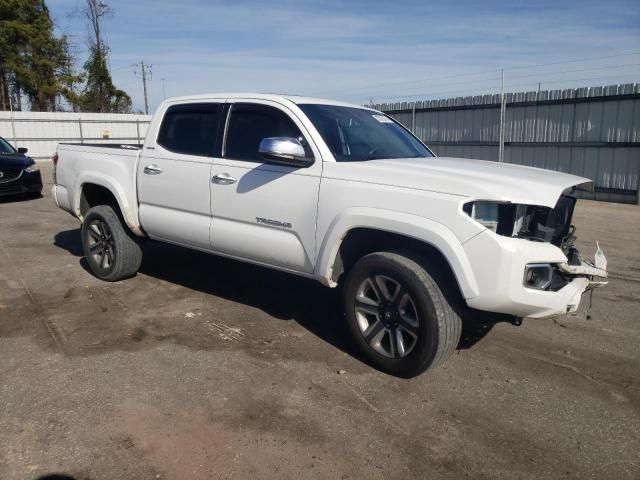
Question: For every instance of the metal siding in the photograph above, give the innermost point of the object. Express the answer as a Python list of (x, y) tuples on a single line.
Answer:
[(585, 121), (610, 121)]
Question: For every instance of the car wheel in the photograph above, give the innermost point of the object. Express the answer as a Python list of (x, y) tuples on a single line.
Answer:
[(398, 316), (112, 251)]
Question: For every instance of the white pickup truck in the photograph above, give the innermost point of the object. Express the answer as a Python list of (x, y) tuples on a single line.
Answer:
[(342, 194)]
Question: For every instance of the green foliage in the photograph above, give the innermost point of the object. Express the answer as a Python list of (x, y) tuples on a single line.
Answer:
[(100, 95), (35, 63), (32, 59)]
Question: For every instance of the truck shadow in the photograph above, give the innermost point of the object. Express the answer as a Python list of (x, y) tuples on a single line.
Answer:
[(56, 476), (280, 295)]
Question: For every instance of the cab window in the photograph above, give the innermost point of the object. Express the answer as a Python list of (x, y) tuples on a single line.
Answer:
[(191, 129), (250, 123)]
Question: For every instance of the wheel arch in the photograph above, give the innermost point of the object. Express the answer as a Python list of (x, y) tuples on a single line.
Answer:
[(360, 231), (96, 190)]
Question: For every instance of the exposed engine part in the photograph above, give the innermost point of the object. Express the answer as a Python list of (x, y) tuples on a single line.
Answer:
[(532, 222)]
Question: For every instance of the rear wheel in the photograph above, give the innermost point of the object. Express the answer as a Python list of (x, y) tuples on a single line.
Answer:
[(112, 251), (397, 314)]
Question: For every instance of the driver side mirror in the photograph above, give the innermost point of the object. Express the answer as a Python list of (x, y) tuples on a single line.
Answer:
[(284, 151), (22, 150)]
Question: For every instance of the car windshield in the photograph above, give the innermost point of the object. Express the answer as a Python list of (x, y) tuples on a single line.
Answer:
[(5, 147), (356, 134)]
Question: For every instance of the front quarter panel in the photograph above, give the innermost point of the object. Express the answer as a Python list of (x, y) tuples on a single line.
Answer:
[(432, 217)]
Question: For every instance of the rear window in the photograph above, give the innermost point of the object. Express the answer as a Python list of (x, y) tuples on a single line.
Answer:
[(191, 129)]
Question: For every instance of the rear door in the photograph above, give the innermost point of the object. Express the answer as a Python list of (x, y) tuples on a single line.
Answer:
[(263, 212), (174, 174)]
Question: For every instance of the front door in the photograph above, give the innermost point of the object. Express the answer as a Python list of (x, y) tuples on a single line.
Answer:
[(263, 212), (174, 175)]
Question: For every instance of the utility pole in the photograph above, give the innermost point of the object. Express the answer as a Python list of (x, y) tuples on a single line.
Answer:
[(13, 125), (502, 120), (144, 71), (164, 93)]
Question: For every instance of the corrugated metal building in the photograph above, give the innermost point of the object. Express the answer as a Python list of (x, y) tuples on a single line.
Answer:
[(593, 132)]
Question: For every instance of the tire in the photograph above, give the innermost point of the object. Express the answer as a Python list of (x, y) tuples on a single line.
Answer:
[(112, 251), (426, 327)]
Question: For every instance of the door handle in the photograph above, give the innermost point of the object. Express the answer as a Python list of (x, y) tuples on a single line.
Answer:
[(223, 179), (152, 170)]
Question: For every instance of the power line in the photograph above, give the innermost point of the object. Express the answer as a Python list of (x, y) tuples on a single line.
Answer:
[(539, 76), (353, 91), (580, 79), (508, 86), (576, 60), (412, 81), (436, 85), (574, 71)]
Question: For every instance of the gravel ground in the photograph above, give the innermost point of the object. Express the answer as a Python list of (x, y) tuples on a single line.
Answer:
[(202, 368)]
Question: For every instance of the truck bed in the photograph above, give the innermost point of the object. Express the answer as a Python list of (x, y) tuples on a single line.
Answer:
[(113, 166), (121, 146)]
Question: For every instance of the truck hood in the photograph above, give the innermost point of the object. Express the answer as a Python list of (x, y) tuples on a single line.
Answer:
[(476, 179)]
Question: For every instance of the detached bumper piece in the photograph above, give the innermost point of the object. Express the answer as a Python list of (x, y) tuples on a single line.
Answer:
[(586, 269)]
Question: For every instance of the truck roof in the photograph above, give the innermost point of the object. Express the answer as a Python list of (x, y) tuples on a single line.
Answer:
[(281, 98)]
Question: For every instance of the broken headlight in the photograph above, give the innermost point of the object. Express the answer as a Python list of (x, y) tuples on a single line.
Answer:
[(495, 216), (485, 213), (533, 222)]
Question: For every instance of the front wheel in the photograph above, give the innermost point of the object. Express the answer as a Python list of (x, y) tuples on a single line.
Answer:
[(112, 251), (398, 316)]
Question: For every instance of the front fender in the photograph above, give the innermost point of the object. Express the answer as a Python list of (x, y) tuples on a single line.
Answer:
[(419, 228), (129, 211)]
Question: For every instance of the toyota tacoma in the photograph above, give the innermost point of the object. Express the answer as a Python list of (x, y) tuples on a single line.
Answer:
[(344, 195)]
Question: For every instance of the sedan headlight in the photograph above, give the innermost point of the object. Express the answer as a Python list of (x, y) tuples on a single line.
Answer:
[(32, 168)]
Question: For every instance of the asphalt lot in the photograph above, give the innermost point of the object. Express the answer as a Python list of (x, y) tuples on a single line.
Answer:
[(201, 367)]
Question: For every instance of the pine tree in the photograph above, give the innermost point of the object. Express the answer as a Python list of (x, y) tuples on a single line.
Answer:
[(100, 95), (32, 58)]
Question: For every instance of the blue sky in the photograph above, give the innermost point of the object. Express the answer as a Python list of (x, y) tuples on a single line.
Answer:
[(356, 50)]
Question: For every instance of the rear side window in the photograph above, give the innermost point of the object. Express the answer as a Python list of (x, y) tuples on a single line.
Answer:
[(250, 123), (191, 129)]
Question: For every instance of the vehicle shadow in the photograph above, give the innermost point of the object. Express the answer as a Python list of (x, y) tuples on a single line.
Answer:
[(280, 295), (56, 476), (476, 325)]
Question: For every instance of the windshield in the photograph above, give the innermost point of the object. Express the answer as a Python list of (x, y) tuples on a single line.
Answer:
[(355, 134), (5, 147)]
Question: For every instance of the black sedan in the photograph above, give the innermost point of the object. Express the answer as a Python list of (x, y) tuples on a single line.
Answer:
[(19, 174)]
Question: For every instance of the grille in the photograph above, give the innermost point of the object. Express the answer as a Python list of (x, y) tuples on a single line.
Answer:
[(12, 189), (10, 174)]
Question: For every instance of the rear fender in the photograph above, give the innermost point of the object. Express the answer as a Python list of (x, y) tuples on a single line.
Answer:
[(129, 212)]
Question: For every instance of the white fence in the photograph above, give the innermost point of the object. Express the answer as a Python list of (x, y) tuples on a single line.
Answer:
[(41, 132)]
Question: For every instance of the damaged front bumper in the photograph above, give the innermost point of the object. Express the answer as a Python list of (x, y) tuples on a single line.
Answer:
[(500, 279), (594, 274)]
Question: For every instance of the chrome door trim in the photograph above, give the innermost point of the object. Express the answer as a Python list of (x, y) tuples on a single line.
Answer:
[(224, 179), (152, 169)]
